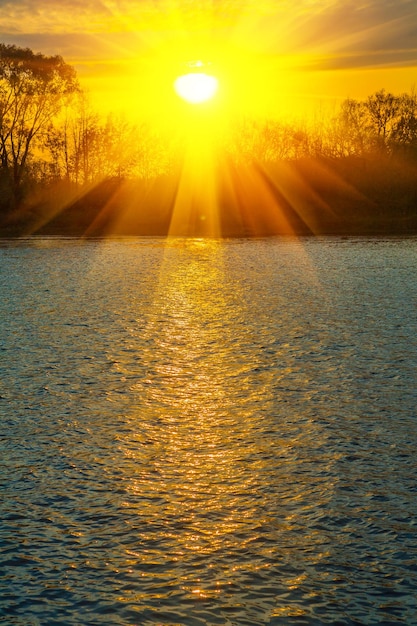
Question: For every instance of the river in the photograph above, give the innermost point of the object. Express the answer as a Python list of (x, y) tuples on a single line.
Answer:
[(208, 432)]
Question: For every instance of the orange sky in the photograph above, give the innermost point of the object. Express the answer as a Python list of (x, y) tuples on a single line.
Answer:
[(271, 57)]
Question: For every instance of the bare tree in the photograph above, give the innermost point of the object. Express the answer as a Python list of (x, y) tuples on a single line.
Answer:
[(383, 109), (404, 133), (355, 128)]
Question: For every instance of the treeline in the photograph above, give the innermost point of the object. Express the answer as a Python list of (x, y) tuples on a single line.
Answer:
[(383, 124), (55, 150), (84, 149)]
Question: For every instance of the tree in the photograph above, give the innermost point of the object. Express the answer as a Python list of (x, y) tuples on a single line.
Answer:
[(404, 134), (383, 109), (33, 89), (84, 149), (353, 128)]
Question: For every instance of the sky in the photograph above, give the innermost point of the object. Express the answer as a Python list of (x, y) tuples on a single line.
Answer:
[(271, 57)]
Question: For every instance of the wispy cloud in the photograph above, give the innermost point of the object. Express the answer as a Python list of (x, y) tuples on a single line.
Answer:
[(325, 33), (366, 33)]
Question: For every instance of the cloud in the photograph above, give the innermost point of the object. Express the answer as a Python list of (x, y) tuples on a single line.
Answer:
[(48, 16), (324, 34), (101, 15), (363, 33)]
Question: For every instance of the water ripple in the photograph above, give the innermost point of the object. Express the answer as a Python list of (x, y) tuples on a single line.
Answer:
[(201, 432)]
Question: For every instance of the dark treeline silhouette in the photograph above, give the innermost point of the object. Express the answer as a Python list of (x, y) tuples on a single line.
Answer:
[(65, 170)]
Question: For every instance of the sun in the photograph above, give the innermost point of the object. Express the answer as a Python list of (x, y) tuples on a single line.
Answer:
[(196, 87)]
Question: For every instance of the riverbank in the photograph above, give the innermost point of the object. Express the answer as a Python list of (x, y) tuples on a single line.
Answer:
[(349, 196)]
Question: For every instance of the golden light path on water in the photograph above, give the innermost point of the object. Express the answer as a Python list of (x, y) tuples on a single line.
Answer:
[(201, 459)]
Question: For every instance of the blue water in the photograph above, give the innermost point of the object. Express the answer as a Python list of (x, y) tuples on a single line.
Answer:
[(200, 432)]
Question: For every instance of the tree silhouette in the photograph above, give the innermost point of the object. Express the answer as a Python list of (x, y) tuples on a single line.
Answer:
[(383, 110), (33, 88)]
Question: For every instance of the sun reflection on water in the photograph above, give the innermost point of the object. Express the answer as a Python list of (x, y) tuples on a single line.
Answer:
[(205, 450), (195, 432)]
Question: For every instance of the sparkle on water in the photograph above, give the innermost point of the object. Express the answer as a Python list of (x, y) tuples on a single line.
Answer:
[(203, 432)]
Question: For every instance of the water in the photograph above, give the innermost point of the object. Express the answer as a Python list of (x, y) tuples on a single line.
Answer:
[(202, 432)]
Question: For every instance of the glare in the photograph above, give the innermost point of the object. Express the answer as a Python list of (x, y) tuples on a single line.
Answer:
[(196, 87)]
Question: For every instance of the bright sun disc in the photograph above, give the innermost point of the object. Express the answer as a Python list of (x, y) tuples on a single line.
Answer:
[(196, 87)]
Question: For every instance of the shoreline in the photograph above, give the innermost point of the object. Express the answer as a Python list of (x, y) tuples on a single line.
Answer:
[(307, 197)]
